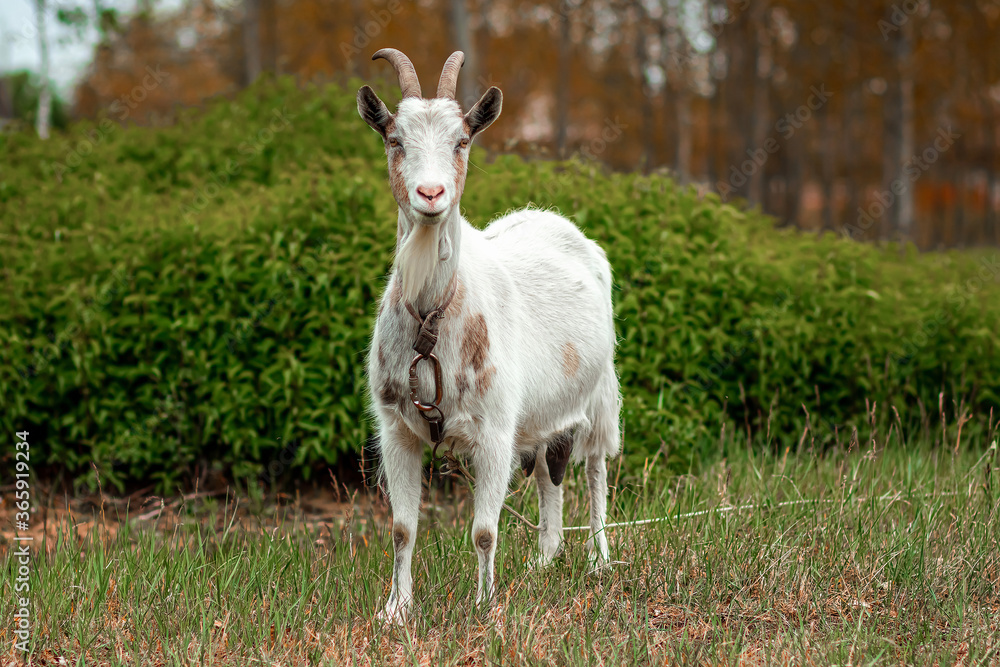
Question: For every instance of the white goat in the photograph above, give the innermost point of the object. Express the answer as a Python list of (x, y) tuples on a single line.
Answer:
[(526, 340)]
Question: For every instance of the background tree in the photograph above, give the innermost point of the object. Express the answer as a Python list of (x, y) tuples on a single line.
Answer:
[(19, 94), (685, 85), (43, 118)]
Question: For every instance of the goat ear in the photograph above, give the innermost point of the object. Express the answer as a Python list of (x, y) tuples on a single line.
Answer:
[(486, 111), (373, 110)]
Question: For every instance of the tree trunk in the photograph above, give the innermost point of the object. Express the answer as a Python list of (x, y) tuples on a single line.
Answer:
[(468, 84), (906, 110), (102, 33), (684, 130), (6, 101), (482, 38), (44, 91), (719, 129), (853, 119), (717, 136), (251, 40), (829, 168), (760, 110), (891, 133), (854, 179), (962, 237), (897, 146), (270, 51), (990, 213), (682, 111), (562, 82), (737, 89), (793, 181), (646, 108), (358, 60)]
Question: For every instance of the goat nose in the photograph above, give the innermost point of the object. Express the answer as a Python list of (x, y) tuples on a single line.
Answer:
[(430, 192)]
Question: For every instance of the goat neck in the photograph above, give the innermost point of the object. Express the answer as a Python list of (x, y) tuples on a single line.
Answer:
[(440, 261)]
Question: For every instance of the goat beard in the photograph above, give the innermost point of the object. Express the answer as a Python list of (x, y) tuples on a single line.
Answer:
[(417, 259)]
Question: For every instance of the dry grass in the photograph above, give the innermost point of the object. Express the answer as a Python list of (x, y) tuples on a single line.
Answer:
[(896, 562)]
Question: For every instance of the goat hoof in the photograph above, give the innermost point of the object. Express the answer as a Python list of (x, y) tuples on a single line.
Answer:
[(494, 614), (393, 614), (545, 561), (542, 562)]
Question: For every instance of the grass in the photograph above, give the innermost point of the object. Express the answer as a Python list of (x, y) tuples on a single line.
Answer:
[(892, 558)]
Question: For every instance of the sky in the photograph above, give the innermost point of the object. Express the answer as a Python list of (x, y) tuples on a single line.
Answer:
[(69, 53)]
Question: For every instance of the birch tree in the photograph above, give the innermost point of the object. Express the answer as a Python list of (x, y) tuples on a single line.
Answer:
[(44, 91)]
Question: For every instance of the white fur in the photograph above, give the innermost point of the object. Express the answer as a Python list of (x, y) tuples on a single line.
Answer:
[(540, 286), (411, 260)]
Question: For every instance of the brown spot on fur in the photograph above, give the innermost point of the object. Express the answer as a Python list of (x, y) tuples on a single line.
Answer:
[(475, 342), (484, 540), (461, 167), (396, 182), (391, 393), (571, 360), (455, 306), (462, 384), (484, 380), (400, 537), (381, 355)]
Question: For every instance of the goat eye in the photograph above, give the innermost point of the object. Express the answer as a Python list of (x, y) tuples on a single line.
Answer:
[(464, 143), (394, 142)]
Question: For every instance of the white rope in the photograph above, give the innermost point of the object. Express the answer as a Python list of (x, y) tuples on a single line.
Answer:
[(735, 508), (689, 515)]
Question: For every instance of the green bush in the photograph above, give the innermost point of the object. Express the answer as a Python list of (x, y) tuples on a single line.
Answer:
[(202, 295)]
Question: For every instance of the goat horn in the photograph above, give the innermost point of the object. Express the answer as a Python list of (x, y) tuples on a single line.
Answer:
[(449, 75), (408, 81)]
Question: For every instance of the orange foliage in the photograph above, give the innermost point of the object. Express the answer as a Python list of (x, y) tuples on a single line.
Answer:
[(634, 73)]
